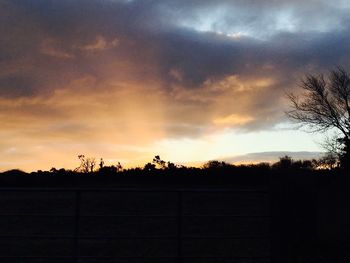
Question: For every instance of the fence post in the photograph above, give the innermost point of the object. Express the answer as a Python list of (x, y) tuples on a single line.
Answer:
[(76, 225), (179, 227)]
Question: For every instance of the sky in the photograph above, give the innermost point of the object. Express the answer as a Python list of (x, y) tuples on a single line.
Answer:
[(189, 80)]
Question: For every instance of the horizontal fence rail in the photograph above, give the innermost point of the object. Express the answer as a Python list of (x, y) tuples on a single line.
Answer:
[(111, 224)]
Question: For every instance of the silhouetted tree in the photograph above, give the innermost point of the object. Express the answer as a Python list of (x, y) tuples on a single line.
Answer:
[(87, 164), (149, 167), (325, 105), (101, 164), (108, 170), (303, 164), (53, 170), (262, 166), (119, 167), (285, 162), (157, 161), (60, 171), (171, 166), (214, 164), (328, 161)]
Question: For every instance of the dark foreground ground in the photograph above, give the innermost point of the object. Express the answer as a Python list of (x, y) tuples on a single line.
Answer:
[(209, 217)]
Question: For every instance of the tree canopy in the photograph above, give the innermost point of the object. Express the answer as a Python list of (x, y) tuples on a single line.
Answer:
[(323, 105)]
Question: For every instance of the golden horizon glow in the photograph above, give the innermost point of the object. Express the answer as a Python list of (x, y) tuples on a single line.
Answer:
[(129, 123), (190, 81)]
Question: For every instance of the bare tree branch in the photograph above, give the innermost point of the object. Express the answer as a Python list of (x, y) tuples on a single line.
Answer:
[(324, 104)]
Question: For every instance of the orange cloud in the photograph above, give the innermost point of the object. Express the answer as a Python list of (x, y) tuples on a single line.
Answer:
[(100, 43), (115, 79), (233, 120)]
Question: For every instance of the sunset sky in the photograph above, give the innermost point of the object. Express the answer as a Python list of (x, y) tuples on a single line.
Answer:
[(189, 80)]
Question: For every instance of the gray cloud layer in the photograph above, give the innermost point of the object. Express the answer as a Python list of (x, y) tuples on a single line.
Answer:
[(187, 47)]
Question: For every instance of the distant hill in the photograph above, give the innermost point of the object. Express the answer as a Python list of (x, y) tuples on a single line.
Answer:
[(272, 156)]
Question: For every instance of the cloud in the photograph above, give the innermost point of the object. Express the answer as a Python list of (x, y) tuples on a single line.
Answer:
[(100, 44), (141, 42), (17, 85), (234, 119), (171, 69), (241, 16), (48, 47)]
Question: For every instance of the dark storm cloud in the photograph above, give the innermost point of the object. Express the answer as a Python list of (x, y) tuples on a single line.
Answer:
[(17, 86), (46, 45)]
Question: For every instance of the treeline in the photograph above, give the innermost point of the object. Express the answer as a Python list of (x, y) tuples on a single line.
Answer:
[(160, 172), (89, 166)]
